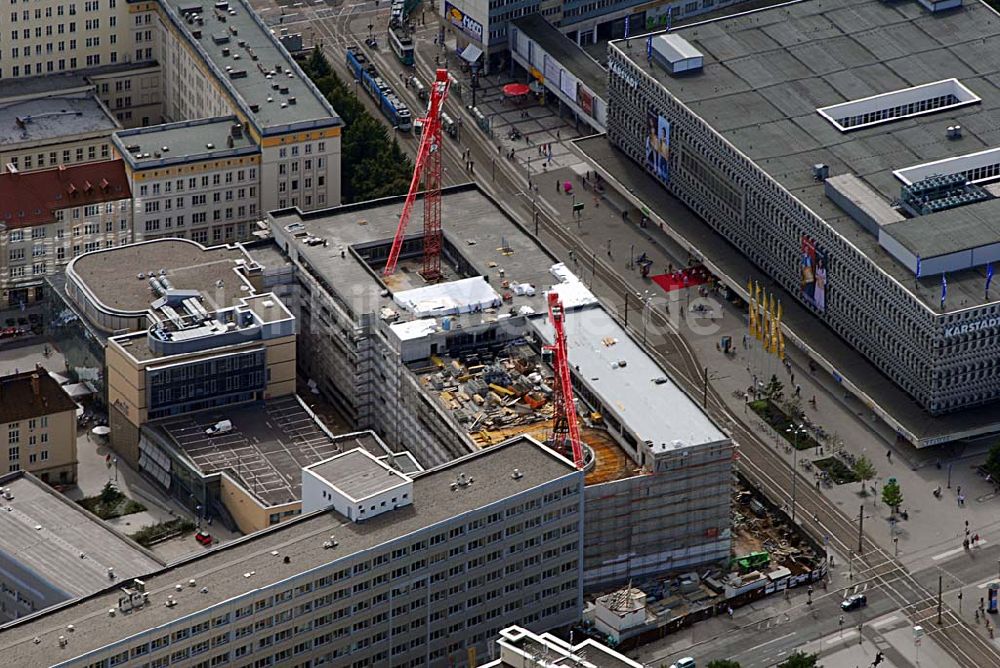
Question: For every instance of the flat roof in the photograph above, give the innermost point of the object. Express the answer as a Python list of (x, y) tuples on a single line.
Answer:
[(260, 55), (270, 443), (950, 231), (631, 383), (358, 474), (221, 570), (572, 57), (473, 224), (111, 274), (767, 72), (158, 146), (49, 118), (47, 534)]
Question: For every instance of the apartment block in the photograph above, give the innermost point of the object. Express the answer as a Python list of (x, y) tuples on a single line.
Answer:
[(198, 180), (490, 540), (40, 431), (51, 216)]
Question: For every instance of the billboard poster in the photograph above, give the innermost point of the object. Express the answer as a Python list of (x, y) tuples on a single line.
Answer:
[(551, 71), (463, 22), (658, 145), (813, 266), (585, 100)]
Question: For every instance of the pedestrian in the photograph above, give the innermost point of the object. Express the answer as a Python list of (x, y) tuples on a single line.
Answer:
[(557, 135), (729, 611), (959, 490), (888, 455), (977, 616), (982, 603), (609, 247), (558, 185), (472, 166)]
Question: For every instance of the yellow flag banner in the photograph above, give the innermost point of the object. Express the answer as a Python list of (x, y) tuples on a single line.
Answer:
[(760, 313), (781, 335), (752, 310), (775, 326)]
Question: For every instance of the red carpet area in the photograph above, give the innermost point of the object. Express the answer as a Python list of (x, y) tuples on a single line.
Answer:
[(683, 278)]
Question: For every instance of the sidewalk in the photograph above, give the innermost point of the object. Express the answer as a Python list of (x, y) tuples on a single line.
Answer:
[(934, 526)]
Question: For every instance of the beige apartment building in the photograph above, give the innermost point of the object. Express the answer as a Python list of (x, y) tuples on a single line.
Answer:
[(44, 132), (49, 217), (38, 423), (196, 180)]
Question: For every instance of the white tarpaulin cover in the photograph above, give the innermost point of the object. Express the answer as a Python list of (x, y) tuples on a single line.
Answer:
[(467, 295), (77, 390), (571, 290)]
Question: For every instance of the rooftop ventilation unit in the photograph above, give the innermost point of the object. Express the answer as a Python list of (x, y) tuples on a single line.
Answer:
[(676, 55), (954, 132)]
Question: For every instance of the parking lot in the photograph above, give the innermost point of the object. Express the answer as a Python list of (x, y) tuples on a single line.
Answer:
[(266, 448)]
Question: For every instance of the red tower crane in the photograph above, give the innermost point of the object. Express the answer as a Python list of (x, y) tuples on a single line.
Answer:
[(565, 425), (428, 166)]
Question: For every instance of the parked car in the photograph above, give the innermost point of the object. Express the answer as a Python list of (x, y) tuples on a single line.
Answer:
[(204, 538), (686, 662), (855, 602)]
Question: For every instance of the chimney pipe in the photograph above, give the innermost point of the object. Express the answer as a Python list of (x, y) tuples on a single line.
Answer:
[(35, 385)]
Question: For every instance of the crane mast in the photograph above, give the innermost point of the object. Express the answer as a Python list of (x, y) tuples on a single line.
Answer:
[(428, 166), (565, 424)]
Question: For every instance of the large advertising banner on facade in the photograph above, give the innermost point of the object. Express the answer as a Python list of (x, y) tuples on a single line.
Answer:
[(463, 22), (567, 84), (585, 99), (658, 146), (812, 270), (551, 71)]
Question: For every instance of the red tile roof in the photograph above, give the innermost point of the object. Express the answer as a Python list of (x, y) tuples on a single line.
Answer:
[(32, 198)]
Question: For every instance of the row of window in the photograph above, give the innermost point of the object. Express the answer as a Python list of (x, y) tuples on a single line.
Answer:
[(27, 161)]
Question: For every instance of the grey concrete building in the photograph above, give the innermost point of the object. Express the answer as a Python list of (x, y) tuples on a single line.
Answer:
[(658, 495), (53, 551), (753, 122), (480, 548)]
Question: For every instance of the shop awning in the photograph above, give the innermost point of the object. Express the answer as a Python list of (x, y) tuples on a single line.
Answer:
[(471, 53)]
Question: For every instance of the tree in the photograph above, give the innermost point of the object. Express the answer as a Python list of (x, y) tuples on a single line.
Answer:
[(864, 470), (774, 390), (892, 496), (800, 660), (723, 663), (109, 494), (318, 66), (992, 465)]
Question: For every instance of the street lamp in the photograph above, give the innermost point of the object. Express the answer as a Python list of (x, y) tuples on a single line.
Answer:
[(795, 431)]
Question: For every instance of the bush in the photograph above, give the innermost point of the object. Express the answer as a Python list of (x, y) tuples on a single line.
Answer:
[(155, 533), (111, 503), (840, 472), (780, 421)]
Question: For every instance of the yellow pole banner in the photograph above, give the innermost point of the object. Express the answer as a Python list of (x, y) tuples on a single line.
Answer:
[(752, 306), (769, 314), (775, 326), (781, 335)]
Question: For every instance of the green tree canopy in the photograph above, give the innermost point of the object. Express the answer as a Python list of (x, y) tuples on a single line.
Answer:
[(374, 165), (800, 660), (864, 470), (892, 495), (774, 390), (992, 464)]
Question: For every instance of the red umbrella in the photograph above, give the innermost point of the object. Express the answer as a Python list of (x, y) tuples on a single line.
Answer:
[(516, 89)]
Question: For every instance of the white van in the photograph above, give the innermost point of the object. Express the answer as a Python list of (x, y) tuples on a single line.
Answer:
[(220, 427), (686, 662)]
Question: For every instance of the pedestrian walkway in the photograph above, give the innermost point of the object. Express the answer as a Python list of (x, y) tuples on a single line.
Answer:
[(934, 525)]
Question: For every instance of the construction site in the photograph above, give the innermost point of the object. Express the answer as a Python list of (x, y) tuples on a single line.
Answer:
[(453, 338)]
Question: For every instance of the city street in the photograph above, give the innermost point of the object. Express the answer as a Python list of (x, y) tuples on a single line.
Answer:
[(900, 561)]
